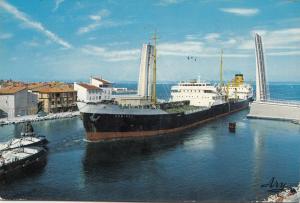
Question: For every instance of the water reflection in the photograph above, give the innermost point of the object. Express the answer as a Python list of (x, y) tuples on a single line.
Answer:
[(258, 158), (109, 161)]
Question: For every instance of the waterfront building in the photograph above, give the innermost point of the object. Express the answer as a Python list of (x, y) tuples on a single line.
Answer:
[(17, 101), (104, 85), (88, 93), (57, 97)]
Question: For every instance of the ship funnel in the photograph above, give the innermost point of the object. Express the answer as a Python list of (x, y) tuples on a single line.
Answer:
[(261, 85), (146, 71)]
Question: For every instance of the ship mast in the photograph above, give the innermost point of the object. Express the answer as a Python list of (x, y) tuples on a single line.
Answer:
[(153, 95), (221, 69)]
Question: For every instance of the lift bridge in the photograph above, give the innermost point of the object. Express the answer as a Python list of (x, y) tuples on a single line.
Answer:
[(264, 107)]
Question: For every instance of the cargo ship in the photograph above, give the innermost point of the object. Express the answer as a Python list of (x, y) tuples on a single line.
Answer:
[(141, 115)]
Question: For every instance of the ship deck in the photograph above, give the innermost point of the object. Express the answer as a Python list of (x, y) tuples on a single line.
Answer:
[(185, 108)]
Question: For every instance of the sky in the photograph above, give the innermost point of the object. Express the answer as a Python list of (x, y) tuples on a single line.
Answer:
[(70, 40)]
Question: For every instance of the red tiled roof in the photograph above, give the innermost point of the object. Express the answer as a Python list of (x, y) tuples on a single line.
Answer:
[(89, 87), (11, 89), (102, 80), (57, 89)]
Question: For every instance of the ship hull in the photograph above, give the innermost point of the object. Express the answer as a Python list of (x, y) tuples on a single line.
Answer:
[(104, 126), (28, 164)]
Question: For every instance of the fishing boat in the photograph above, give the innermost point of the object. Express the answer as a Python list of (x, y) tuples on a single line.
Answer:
[(23, 142), (15, 161)]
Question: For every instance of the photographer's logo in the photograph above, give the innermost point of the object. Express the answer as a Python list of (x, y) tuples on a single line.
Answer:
[(275, 186)]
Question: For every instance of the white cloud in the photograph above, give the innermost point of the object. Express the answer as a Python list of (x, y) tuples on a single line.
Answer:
[(275, 39), (6, 35), (195, 49), (212, 36), (98, 20), (33, 24), (241, 11), (168, 2), (284, 53), (88, 28), (95, 17), (112, 55), (32, 43), (185, 48), (57, 4)]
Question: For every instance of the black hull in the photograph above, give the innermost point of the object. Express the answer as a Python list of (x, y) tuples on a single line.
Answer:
[(29, 164), (115, 126)]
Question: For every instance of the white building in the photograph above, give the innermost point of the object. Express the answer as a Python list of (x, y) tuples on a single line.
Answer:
[(104, 85), (88, 93), (17, 101)]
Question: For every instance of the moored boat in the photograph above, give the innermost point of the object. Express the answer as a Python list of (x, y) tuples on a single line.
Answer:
[(23, 142), (28, 138), (15, 161)]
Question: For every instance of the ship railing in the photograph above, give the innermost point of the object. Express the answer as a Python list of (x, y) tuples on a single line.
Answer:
[(137, 106)]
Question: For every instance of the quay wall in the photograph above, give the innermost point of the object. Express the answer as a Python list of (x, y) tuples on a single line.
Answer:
[(274, 110)]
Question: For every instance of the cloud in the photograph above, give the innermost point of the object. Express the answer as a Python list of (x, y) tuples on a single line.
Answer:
[(33, 24), (111, 55), (6, 35), (32, 43), (284, 53), (98, 20), (241, 11), (212, 36), (88, 28), (185, 48), (194, 48), (57, 4), (275, 39), (169, 2)]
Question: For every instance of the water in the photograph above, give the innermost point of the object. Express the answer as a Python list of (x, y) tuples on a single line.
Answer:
[(205, 163)]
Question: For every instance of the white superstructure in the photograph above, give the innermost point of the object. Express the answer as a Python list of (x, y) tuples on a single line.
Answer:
[(198, 93), (237, 89), (241, 92)]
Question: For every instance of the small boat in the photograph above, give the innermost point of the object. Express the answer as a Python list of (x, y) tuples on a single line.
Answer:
[(290, 194), (231, 127), (27, 130), (15, 161), (23, 142)]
